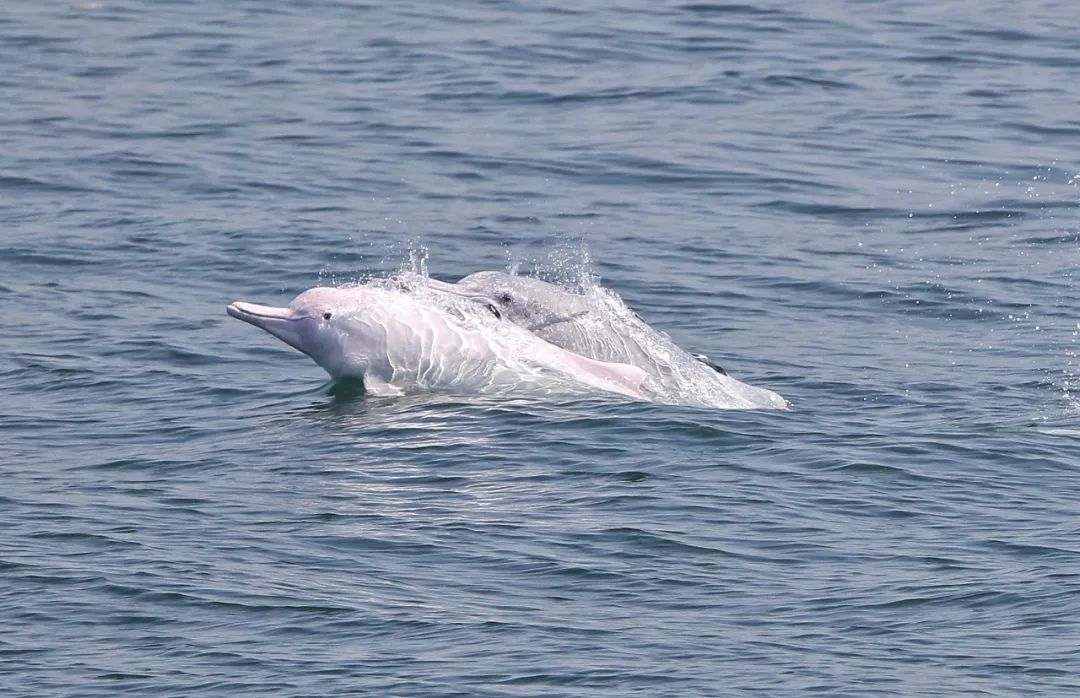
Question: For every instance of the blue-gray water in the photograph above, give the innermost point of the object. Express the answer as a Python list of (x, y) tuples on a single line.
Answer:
[(871, 208)]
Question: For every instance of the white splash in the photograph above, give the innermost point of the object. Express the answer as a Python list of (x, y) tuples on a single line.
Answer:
[(587, 319)]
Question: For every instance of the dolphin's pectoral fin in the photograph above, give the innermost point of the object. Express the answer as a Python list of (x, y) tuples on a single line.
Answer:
[(617, 377), (709, 362)]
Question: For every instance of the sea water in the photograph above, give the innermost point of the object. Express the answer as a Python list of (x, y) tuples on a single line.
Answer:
[(871, 208)]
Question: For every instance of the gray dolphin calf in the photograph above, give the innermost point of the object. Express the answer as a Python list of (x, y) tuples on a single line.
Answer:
[(598, 324), (398, 342)]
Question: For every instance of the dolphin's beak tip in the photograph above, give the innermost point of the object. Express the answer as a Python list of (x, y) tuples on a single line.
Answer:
[(258, 314)]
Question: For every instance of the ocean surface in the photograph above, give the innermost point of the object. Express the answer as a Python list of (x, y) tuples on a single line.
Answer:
[(871, 208)]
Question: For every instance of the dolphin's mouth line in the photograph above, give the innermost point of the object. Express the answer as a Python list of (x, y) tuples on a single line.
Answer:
[(242, 314), (557, 321)]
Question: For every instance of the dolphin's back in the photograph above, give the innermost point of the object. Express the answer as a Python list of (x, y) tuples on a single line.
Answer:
[(611, 332), (407, 343)]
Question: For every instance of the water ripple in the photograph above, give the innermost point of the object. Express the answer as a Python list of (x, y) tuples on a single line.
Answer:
[(872, 212)]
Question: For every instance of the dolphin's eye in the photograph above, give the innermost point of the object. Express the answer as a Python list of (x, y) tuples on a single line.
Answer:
[(327, 315), (506, 299)]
